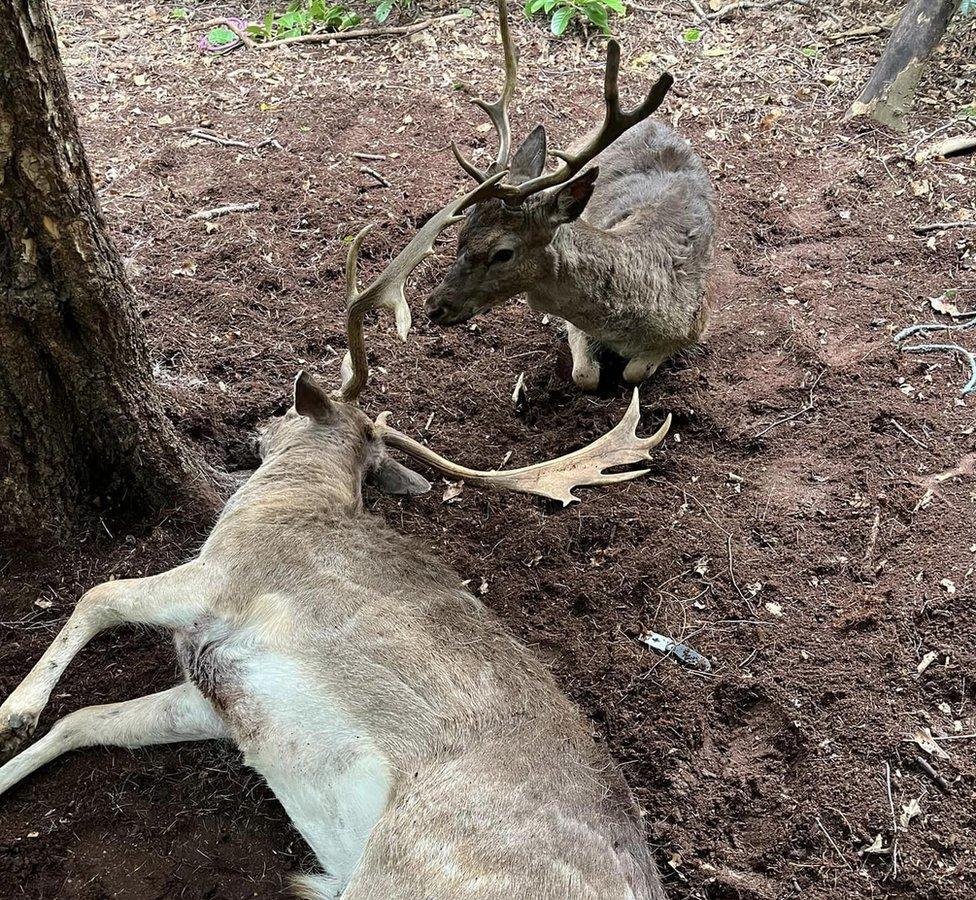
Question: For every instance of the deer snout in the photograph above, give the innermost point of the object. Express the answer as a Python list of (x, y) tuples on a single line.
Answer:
[(442, 310)]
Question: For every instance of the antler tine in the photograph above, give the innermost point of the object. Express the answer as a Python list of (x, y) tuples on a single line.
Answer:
[(387, 290), (497, 111), (556, 478), (616, 121)]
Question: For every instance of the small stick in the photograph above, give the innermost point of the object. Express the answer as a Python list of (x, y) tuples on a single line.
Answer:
[(700, 12), (910, 436), (378, 157), (873, 538), (750, 4), (218, 211), (735, 583), (843, 858), (894, 823), (933, 776), (802, 411), (941, 226), (216, 139), (374, 174), (970, 385), (863, 31)]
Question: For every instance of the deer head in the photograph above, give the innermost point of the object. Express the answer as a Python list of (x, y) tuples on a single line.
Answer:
[(555, 478), (505, 243)]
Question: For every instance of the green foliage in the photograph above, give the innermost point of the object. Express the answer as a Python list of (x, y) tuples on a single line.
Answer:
[(564, 12), (220, 36), (691, 35), (303, 17), (179, 12)]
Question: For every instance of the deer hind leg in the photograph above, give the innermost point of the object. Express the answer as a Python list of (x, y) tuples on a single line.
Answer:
[(586, 366), (179, 714), (644, 365), (171, 600)]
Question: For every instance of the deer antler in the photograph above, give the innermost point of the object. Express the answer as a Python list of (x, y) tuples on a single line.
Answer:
[(387, 290), (555, 478), (497, 111), (616, 121)]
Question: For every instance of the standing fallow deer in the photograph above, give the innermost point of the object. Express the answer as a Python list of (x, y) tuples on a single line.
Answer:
[(621, 250), (420, 750)]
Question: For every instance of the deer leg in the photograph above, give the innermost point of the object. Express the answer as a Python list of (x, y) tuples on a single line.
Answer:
[(644, 365), (179, 714), (586, 367), (171, 600)]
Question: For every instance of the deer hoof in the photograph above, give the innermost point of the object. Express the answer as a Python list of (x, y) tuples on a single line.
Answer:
[(14, 733), (586, 378), (640, 368)]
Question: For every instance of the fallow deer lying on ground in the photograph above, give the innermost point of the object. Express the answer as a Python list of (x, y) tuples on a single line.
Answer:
[(420, 750), (621, 253)]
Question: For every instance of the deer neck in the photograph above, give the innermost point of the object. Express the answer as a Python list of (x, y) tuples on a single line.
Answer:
[(580, 267), (298, 484)]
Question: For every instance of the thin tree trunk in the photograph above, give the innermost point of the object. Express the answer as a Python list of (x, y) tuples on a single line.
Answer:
[(81, 424), (890, 90)]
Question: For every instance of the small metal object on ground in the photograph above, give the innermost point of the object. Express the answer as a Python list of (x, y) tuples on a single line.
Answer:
[(681, 652)]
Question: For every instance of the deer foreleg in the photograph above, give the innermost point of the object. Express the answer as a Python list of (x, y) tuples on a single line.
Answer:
[(586, 367)]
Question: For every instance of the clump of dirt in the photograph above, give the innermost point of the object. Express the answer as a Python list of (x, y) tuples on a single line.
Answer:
[(795, 527)]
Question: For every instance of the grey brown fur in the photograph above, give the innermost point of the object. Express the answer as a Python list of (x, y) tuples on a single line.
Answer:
[(622, 252), (420, 750)]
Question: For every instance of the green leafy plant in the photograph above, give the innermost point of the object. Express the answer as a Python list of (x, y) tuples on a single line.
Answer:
[(179, 12), (385, 7), (220, 36), (303, 17), (691, 35), (564, 12)]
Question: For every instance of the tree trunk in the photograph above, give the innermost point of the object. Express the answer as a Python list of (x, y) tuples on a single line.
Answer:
[(891, 88), (81, 424)]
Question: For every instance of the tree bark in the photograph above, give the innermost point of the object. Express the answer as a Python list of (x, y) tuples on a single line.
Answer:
[(81, 423), (890, 90)]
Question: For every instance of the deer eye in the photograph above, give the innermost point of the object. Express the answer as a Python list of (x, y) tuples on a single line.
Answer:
[(501, 256)]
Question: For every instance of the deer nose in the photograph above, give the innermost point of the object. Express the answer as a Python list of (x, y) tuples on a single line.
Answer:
[(436, 314)]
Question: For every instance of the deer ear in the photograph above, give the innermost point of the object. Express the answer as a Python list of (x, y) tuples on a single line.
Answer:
[(530, 158), (393, 478), (569, 201), (311, 400)]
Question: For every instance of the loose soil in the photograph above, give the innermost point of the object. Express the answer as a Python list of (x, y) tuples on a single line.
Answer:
[(795, 528)]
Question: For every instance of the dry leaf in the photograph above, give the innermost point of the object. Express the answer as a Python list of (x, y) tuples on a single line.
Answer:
[(909, 811), (876, 846), (453, 492), (923, 737)]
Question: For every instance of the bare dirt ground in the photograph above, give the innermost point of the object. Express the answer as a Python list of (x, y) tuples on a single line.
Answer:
[(808, 525)]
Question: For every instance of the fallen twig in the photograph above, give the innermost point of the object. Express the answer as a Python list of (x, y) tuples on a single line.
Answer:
[(908, 434), (697, 7), (735, 583), (217, 139), (932, 775), (970, 385), (954, 146), (377, 157), (843, 858), (366, 170), (863, 31), (941, 226), (872, 539), (329, 36), (726, 11), (894, 823), (218, 211), (802, 411)]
